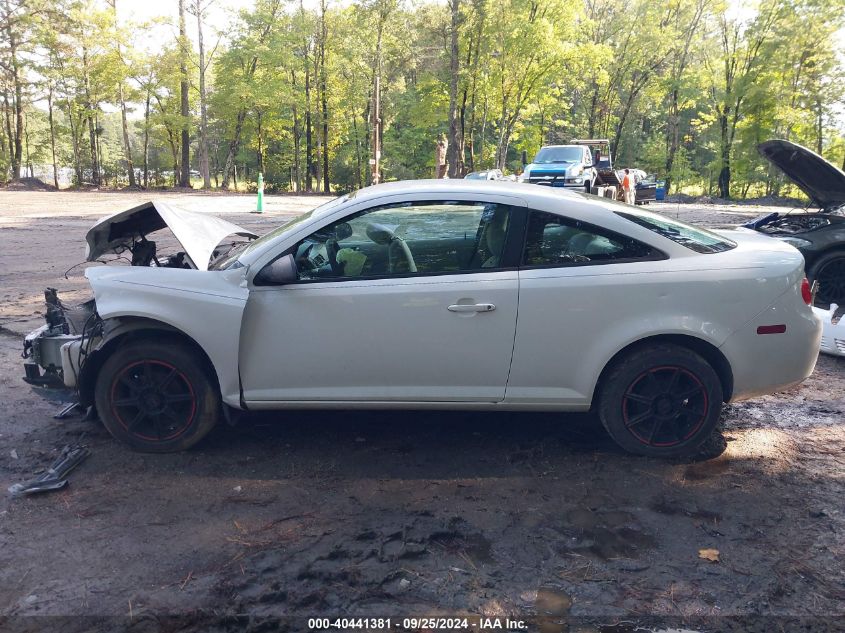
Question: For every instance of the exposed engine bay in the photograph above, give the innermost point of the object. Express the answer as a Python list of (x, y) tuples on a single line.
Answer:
[(61, 346), (793, 223), (71, 334)]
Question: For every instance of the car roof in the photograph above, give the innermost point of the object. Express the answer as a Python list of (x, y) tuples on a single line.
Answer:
[(446, 186)]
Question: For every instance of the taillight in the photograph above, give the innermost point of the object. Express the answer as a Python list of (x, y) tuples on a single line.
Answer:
[(806, 292)]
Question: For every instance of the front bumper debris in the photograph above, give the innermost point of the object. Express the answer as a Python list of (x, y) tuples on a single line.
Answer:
[(56, 348), (54, 477)]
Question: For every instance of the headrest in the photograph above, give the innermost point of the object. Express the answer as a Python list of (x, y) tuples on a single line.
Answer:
[(380, 234)]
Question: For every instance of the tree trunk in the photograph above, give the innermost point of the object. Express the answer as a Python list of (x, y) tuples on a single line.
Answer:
[(89, 115), (175, 152), (203, 149), (234, 146), (52, 134), (725, 155), (74, 138), (130, 166), (453, 157), (358, 162), (185, 179), (259, 134), (147, 139), (673, 132), (296, 140), (324, 34), (309, 149), (7, 118), (376, 131), (16, 138)]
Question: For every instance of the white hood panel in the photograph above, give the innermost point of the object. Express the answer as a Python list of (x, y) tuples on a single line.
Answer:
[(198, 233)]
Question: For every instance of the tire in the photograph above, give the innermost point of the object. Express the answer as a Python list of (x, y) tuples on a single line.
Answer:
[(660, 401), (588, 187), (829, 271), (157, 397)]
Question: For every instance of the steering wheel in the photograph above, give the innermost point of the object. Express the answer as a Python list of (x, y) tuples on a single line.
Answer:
[(397, 248), (304, 261)]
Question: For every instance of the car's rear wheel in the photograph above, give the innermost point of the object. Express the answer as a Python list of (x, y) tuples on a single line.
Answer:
[(661, 401), (157, 397), (829, 271)]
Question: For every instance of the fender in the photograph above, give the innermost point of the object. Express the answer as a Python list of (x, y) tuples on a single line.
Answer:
[(205, 306)]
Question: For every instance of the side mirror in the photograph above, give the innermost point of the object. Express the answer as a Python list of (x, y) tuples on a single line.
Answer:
[(278, 272), (524, 158)]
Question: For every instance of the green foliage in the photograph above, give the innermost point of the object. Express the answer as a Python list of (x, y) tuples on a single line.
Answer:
[(683, 88)]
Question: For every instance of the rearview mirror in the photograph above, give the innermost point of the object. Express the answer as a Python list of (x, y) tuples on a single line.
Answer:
[(278, 272)]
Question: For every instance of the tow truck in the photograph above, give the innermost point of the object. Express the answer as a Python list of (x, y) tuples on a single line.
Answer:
[(584, 164)]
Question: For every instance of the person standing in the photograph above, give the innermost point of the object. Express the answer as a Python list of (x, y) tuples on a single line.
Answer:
[(629, 187)]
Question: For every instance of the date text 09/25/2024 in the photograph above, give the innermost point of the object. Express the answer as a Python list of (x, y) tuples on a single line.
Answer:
[(413, 624)]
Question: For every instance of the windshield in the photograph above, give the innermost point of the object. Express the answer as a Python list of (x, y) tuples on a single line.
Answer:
[(476, 175), (235, 253), (696, 239), (565, 154)]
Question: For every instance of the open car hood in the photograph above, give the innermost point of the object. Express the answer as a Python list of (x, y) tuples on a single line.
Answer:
[(198, 233), (821, 181)]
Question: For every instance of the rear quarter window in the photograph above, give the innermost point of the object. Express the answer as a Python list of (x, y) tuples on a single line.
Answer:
[(694, 238), (552, 240)]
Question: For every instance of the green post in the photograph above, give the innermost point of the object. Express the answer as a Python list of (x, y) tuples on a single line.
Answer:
[(260, 206)]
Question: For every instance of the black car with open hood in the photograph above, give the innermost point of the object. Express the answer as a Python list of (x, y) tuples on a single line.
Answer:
[(818, 234)]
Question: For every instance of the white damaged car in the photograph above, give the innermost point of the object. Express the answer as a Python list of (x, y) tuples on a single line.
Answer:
[(432, 294)]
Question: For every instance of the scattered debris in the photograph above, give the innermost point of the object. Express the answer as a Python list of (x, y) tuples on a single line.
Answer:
[(237, 488), (13, 453), (54, 477), (709, 554), (67, 411)]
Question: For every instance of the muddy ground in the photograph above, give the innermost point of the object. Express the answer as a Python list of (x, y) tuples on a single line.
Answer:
[(384, 514)]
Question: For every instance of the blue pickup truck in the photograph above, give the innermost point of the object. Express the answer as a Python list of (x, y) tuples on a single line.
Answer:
[(562, 166)]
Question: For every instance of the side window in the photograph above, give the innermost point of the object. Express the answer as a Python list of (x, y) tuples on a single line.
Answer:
[(555, 241), (407, 238)]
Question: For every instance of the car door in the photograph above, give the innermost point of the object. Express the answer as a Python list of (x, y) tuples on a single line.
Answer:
[(407, 301)]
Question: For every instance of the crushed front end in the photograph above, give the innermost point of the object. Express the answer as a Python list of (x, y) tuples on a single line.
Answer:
[(54, 353)]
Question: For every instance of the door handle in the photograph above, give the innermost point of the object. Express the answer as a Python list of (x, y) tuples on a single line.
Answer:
[(471, 307)]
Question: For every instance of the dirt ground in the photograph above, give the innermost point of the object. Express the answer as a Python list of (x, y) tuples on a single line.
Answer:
[(383, 514)]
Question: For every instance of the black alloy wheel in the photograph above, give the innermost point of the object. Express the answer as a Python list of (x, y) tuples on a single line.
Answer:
[(660, 400), (157, 396)]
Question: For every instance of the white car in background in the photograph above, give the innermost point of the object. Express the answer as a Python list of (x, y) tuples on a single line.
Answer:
[(435, 295), (487, 174), (833, 329)]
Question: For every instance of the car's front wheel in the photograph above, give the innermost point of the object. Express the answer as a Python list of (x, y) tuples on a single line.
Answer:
[(661, 401), (157, 397), (829, 271)]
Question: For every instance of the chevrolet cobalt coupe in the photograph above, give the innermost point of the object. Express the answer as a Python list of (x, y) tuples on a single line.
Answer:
[(432, 294)]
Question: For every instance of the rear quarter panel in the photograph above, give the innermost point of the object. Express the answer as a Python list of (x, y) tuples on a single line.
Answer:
[(573, 320)]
